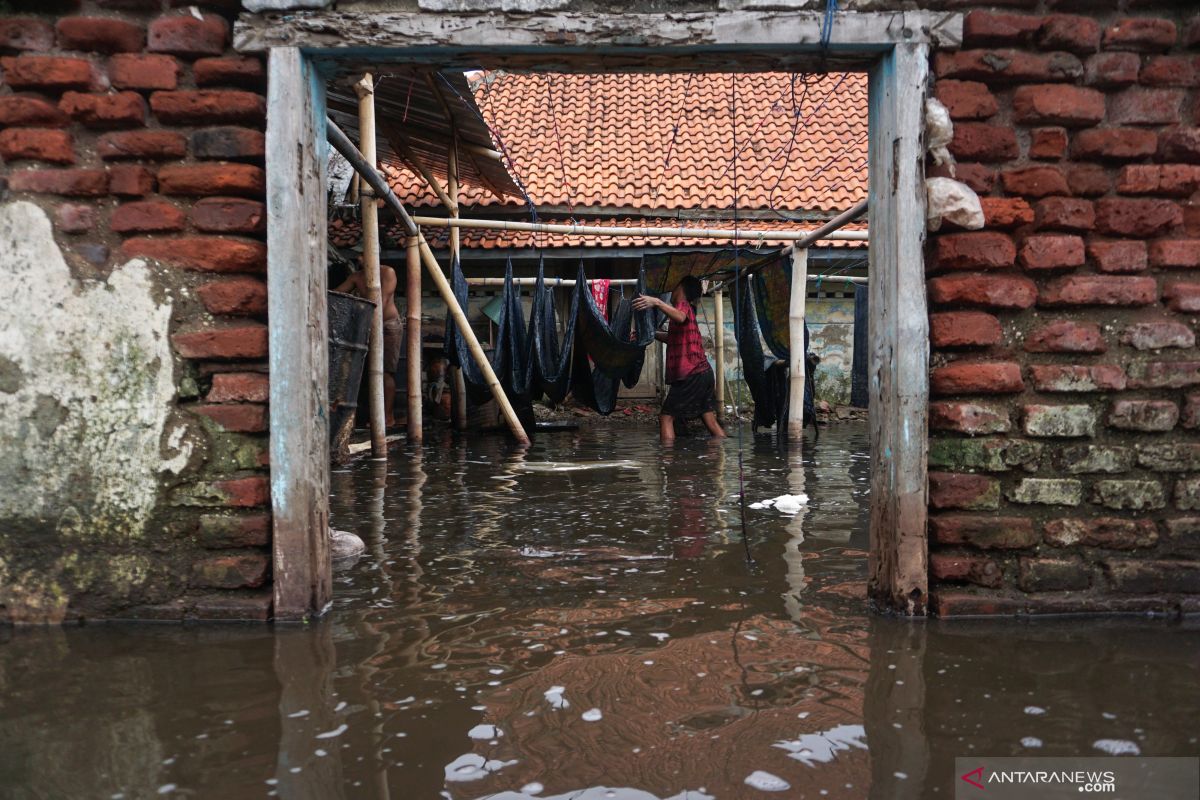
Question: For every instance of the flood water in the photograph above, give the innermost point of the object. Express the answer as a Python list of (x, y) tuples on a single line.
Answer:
[(580, 621)]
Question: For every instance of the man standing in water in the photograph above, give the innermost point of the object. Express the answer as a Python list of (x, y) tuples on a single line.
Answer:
[(393, 329), (692, 392)]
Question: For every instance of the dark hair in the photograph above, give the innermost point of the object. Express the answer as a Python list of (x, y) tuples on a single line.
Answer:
[(692, 288)]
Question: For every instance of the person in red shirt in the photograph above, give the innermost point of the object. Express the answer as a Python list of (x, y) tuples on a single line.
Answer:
[(692, 392)]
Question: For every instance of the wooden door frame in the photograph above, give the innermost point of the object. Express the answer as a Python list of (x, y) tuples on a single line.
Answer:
[(894, 48)]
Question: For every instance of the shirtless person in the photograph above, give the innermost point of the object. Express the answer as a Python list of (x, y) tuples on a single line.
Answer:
[(393, 329)]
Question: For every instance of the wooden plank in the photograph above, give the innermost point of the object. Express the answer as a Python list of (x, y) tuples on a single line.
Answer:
[(365, 89), (297, 324), (796, 365), (898, 371)]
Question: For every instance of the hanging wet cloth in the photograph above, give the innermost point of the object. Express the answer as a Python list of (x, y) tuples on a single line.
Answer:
[(550, 360), (763, 375), (858, 363), (600, 288)]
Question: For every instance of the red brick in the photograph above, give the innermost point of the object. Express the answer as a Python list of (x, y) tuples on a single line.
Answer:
[(1146, 107), (143, 71), (1118, 256), (247, 341), (967, 603), (1175, 253), (1136, 217), (951, 568), (208, 106), (1052, 574), (1065, 336), (1005, 212), (977, 176), (242, 71), (1072, 33), (245, 492), (1158, 335), (232, 387), (51, 73), (1051, 251), (38, 144), (1143, 415), (1168, 71), (228, 143), (204, 253), (1108, 70), (241, 571), (22, 110), (141, 145), (1088, 180), (1065, 214), (982, 250), (968, 492), (1058, 104), (1178, 180), (1113, 143), (987, 27), (148, 216), (22, 33), (983, 290), (68, 182), (185, 35), (120, 110), (1182, 144), (976, 377), (1164, 374), (965, 99), (212, 179), (1099, 290), (979, 141), (235, 297), (1191, 219), (1191, 412), (984, 532), (1140, 35), (239, 418), (229, 215), (75, 218), (1110, 533), (964, 329), (1183, 297), (220, 531), (970, 418), (1035, 181), (1000, 66), (1048, 143), (1077, 377), (130, 180), (99, 34)]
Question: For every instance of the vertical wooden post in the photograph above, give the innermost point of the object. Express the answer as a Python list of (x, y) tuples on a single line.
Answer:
[(719, 342), (460, 385), (416, 426), (365, 89), (298, 331), (795, 421)]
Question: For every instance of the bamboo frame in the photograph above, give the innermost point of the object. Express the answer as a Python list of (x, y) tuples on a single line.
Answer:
[(747, 236), (719, 344), (412, 339), (365, 89), (796, 310)]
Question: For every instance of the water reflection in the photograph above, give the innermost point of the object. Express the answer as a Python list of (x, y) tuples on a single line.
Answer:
[(520, 630)]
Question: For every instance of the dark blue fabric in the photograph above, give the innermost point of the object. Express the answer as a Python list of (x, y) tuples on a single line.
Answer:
[(858, 365)]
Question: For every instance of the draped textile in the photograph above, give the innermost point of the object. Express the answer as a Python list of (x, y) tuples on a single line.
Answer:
[(767, 377), (550, 360), (858, 363)]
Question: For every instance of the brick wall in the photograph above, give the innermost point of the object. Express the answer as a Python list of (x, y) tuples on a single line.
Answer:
[(1065, 379), (140, 133)]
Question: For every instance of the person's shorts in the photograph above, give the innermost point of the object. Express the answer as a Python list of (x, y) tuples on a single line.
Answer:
[(691, 397), (393, 344)]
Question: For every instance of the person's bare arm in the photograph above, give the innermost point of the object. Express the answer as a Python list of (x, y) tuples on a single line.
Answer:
[(644, 301), (660, 336), (350, 283)]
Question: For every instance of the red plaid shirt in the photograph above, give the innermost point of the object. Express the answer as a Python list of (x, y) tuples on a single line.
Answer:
[(685, 348)]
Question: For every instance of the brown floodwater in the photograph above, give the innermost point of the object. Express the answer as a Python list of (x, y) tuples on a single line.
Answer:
[(580, 621)]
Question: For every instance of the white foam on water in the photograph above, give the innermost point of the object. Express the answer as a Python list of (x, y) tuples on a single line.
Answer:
[(766, 782), (1035, 711), (166, 788), (823, 746), (1117, 747), (532, 788), (592, 715), (473, 767), (554, 696), (336, 732), (1031, 741), (298, 714), (660, 636), (485, 732)]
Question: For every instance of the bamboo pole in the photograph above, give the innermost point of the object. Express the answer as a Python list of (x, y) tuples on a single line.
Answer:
[(795, 421), (719, 339), (460, 385), (826, 230), (550, 282), (416, 425), (365, 89), (401, 144), (748, 236), (372, 176)]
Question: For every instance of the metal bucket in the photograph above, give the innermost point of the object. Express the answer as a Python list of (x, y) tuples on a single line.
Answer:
[(349, 332)]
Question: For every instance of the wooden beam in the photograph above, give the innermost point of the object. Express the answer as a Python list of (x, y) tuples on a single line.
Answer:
[(898, 367), (746, 235), (412, 338), (796, 365), (297, 325), (826, 231), (365, 89), (400, 143)]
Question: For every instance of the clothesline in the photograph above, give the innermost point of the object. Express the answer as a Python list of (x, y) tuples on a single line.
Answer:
[(744, 235)]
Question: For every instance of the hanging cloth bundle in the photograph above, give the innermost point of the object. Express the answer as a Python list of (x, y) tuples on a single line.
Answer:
[(549, 360)]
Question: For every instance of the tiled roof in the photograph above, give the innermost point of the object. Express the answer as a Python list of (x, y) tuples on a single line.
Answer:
[(666, 141)]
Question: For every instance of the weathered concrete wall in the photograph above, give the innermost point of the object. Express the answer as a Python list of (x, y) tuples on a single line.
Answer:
[(132, 348), (831, 338)]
